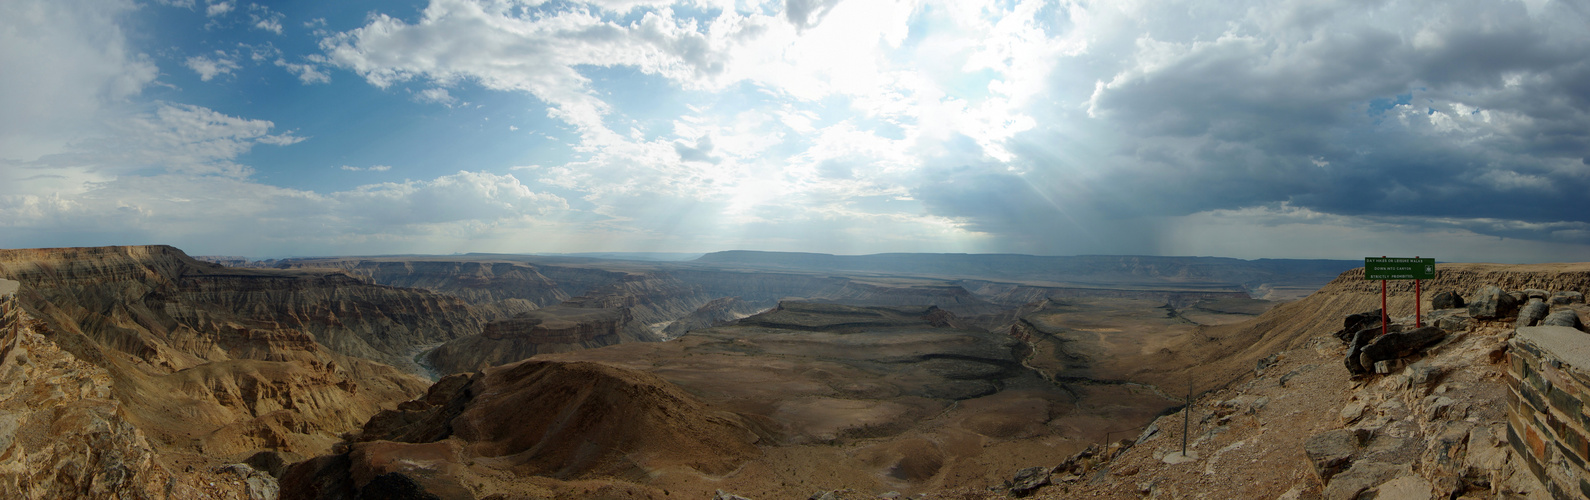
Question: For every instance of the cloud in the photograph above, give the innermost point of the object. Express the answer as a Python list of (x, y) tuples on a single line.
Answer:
[(263, 18), (68, 62), (237, 214), (208, 68), (1031, 126), (372, 168), (308, 73), (218, 8), (174, 138), (701, 152), (807, 13), (435, 96)]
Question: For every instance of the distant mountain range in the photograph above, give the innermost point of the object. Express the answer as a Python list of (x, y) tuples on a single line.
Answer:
[(1101, 270)]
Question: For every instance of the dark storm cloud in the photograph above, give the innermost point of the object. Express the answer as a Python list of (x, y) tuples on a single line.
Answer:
[(1431, 110)]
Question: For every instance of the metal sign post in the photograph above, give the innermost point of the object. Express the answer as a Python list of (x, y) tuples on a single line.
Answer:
[(1399, 268)]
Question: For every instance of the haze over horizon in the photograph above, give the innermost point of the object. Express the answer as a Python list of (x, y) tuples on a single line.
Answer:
[(1456, 130)]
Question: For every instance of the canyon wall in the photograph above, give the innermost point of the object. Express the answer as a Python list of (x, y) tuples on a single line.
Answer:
[(561, 328), (223, 362)]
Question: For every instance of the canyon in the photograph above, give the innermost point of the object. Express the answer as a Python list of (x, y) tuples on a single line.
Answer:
[(767, 375)]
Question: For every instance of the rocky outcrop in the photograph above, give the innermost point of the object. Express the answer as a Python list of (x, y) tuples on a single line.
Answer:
[(64, 435), (1396, 346), (477, 282), (651, 299), (225, 362), (719, 312), (561, 328), (534, 418), (61, 435)]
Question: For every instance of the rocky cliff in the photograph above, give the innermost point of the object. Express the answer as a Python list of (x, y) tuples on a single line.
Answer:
[(719, 312), (477, 282), (560, 328), (1431, 423), (64, 435), (214, 363)]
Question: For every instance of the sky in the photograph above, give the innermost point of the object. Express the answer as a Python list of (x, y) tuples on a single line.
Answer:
[(1452, 129)]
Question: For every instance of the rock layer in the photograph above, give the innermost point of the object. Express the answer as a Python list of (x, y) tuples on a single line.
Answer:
[(562, 328)]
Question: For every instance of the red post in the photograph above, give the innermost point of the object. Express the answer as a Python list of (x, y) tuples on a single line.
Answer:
[(1382, 307)]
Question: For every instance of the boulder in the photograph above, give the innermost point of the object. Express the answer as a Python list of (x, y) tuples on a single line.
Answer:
[(1565, 298), (1398, 345), (1355, 322), (1446, 300), (1531, 313), (1563, 317), (1491, 302), (1536, 293), (1354, 347), (1029, 480)]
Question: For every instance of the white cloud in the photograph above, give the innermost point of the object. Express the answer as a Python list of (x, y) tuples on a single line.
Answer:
[(208, 212), (219, 8), (372, 168), (308, 73), (435, 96), (208, 68), (66, 63), (263, 18)]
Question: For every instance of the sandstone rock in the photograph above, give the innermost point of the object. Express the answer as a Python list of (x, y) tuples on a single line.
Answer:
[(1361, 478), (1332, 451), (1150, 432), (1353, 411), (1446, 300), (259, 485), (1531, 313), (1536, 293), (61, 434), (1405, 487), (723, 495), (1439, 407), (1491, 302), (1564, 317), (1029, 480), (1566, 297), (1389, 366), (1424, 375), (1518, 296)]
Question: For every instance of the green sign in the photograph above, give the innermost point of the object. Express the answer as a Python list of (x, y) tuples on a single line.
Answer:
[(1398, 268)]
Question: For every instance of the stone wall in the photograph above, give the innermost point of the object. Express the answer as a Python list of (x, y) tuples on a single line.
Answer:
[(1549, 411)]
